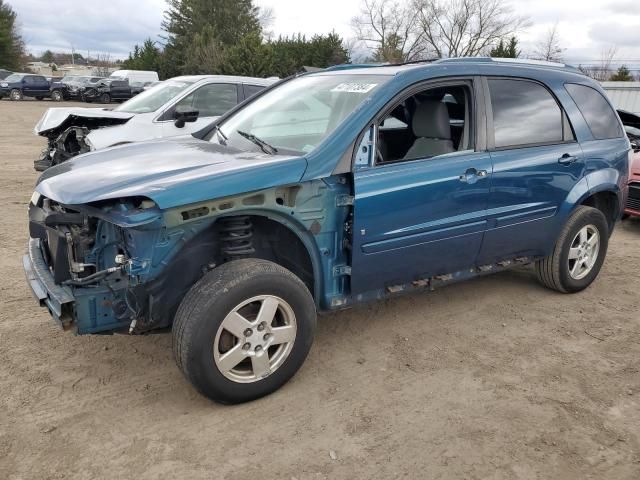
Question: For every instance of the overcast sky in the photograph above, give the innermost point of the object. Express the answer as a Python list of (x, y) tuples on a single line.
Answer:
[(585, 26)]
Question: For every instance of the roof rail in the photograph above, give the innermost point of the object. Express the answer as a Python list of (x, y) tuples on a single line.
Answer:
[(517, 61)]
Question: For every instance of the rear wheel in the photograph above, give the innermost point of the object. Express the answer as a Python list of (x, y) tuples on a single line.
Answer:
[(579, 252), (15, 94), (105, 98), (243, 330), (56, 96)]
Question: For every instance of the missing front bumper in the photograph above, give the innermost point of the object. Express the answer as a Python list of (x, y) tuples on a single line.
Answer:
[(58, 299)]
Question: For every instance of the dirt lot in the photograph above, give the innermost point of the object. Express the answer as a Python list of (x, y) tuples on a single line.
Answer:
[(496, 378)]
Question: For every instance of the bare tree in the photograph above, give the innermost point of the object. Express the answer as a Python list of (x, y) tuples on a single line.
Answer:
[(266, 17), (602, 70), (466, 28), (391, 29), (103, 65), (549, 48)]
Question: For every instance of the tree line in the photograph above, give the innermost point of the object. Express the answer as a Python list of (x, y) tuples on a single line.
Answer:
[(228, 37)]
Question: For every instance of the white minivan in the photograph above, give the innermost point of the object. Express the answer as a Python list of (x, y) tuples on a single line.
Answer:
[(136, 76)]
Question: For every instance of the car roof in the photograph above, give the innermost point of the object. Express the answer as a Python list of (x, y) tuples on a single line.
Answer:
[(226, 79), (387, 69)]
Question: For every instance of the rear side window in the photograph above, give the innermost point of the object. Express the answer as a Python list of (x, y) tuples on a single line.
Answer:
[(596, 111), (524, 113)]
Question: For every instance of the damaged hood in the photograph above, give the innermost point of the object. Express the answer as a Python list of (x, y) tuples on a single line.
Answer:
[(61, 118), (173, 172)]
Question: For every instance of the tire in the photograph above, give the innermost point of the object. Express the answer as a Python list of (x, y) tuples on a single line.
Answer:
[(558, 271), (625, 216), (105, 98), (15, 94), (57, 96), (39, 98), (200, 341)]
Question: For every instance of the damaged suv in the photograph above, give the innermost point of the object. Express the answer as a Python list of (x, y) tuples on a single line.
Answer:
[(330, 189), (175, 107)]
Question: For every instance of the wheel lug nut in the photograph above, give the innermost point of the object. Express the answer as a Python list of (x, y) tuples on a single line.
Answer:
[(266, 336), (258, 348), (261, 327), (246, 346), (248, 332)]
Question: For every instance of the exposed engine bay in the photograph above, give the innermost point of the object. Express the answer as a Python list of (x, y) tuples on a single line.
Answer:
[(67, 129)]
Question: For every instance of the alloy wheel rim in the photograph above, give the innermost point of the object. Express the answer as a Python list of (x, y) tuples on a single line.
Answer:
[(255, 339), (15, 95), (583, 252)]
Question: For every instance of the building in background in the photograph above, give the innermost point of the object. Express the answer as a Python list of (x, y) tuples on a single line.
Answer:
[(624, 95)]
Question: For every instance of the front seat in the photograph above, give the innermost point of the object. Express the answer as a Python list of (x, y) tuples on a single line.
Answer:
[(431, 125)]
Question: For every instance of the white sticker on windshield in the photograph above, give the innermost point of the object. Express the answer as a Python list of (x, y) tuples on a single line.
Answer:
[(354, 87)]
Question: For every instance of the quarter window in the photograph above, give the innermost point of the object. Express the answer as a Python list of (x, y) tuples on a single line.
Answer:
[(524, 113), (251, 90), (596, 111)]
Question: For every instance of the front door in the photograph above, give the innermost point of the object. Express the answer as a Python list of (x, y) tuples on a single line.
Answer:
[(420, 206), (211, 101)]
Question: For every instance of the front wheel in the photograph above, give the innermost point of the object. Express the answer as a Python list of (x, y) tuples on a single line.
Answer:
[(579, 252), (57, 96), (243, 330), (15, 94), (105, 98)]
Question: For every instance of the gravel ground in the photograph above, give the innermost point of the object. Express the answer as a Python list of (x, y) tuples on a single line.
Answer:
[(495, 378)]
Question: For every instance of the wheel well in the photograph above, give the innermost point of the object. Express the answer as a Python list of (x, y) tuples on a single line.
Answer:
[(275, 242), (607, 203), (269, 240)]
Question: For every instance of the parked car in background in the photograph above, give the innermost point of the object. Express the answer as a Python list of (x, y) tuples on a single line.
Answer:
[(4, 73), (106, 90), (177, 106), (137, 76), (70, 87), (19, 85), (327, 190), (631, 124)]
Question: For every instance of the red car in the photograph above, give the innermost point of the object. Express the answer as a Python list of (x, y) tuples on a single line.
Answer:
[(632, 127)]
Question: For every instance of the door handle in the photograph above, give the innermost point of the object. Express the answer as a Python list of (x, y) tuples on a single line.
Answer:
[(472, 175), (567, 159)]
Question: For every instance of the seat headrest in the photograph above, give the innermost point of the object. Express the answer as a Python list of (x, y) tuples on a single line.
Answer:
[(431, 120)]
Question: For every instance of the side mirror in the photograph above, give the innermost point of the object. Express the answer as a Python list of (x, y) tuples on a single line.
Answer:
[(184, 114)]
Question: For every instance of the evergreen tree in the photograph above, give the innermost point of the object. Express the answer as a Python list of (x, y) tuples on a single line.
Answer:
[(147, 57), (506, 50), (11, 44), (226, 22), (622, 75), (47, 57)]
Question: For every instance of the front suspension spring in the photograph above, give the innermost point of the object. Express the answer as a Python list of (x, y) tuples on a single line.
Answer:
[(235, 237)]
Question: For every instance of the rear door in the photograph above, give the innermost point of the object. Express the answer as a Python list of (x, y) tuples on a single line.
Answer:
[(418, 216), (536, 163)]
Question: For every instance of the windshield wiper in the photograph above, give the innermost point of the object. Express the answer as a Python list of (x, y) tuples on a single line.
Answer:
[(266, 148), (221, 135)]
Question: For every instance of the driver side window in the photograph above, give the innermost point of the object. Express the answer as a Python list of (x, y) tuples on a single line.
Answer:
[(212, 100), (432, 122)]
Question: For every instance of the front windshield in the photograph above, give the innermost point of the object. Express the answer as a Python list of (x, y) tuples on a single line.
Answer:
[(154, 98), (68, 78), (299, 114), (13, 78)]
